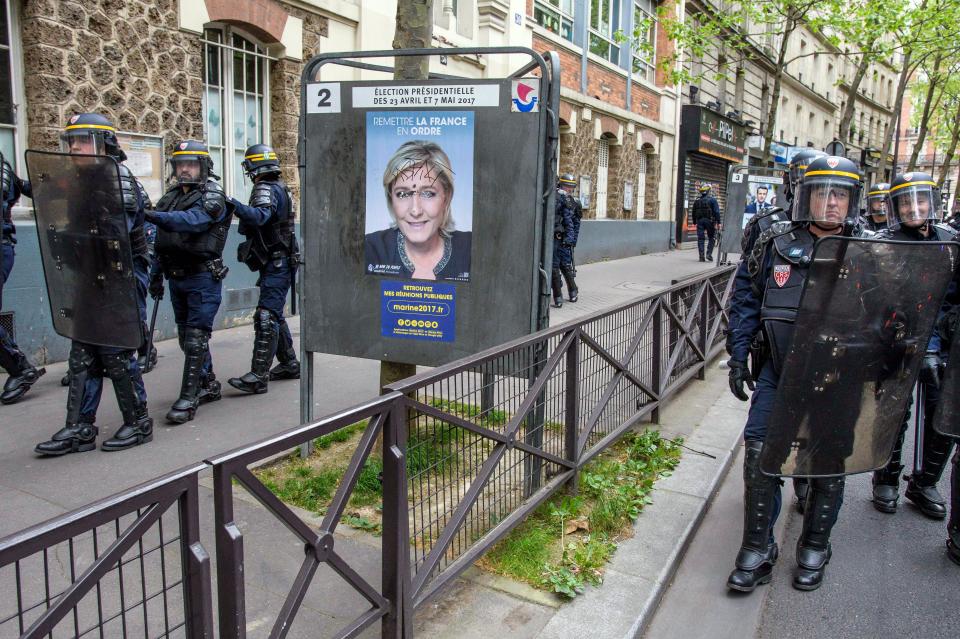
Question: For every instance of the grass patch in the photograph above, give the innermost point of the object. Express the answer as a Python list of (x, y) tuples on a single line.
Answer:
[(568, 540)]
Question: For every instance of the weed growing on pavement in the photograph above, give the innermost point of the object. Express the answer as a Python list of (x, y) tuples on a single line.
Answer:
[(567, 542)]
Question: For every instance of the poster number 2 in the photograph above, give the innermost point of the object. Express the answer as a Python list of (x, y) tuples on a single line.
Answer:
[(323, 97)]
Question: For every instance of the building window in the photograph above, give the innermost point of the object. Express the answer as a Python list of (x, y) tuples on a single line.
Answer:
[(644, 50), (642, 186), (604, 22), (603, 164), (8, 92), (454, 15), (236, 115), (555, 16)]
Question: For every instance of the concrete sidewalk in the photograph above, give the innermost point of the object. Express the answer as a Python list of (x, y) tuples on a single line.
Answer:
[(33, 489)]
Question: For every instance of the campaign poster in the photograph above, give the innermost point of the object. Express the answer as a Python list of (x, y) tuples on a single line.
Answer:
[(418, 310), (419, 193), (761, 195)]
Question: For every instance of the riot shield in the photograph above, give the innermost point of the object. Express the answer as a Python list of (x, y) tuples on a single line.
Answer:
[(946, 419), (85, 248), (865, 317)]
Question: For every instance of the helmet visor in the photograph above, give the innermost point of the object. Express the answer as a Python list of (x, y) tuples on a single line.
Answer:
[(913, 205), (877, 205), (82, 142), (826, 201), (188, 169)]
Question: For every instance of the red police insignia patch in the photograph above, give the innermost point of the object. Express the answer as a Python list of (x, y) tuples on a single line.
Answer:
[(833, 162), (183, 145), (74, 119), (781, 273)]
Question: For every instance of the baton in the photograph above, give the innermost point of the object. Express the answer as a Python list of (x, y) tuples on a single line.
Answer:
[(918, 419), (293, 286), (153, 325)]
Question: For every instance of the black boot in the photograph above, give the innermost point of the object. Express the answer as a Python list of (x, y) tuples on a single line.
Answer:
[(194, 342), (264, 347), (922, 489), (953, 527), (886, 481), (22, 373), (801, 487), (147, 362), (209, 389), (137, 426), (556, 284), (701, 258), (288, 368), (757, 554), (813, 547), (568, 275), (77, 436)]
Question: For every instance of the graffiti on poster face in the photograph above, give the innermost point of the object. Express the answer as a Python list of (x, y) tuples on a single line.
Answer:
[(419, 193)]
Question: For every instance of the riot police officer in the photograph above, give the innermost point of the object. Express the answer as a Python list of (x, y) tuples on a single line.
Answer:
[(768, 286), (192, 220), (271, 250), (706, 216), (93, 134), (913, 207), (566, 232), (876, 213), (22, 374)]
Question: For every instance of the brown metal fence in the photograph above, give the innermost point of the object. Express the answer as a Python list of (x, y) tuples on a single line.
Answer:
[(469, 450)]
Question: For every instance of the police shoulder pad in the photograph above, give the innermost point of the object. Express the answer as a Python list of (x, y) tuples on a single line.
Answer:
[(262, 195), (212, 186)]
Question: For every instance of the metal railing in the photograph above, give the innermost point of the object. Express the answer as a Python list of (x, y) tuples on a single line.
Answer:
[(470, 449), (129, 565)]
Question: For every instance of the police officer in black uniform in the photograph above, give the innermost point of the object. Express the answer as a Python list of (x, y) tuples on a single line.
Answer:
[(913, 207), (566, 232), (271, 250), (768, 286), (192, 220), (706, 215), (875, 217), (22, 374), (93, 134)]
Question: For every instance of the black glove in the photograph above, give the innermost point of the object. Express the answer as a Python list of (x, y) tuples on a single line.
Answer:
[(740, 375), (156, 288), (931, 370), (150, 216)]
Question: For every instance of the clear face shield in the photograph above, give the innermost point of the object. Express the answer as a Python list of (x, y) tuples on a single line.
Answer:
[(82, 142), (188, 170), (913, 206), (826, 201), (877, 206)]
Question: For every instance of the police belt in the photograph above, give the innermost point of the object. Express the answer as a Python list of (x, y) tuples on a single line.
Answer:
[(179, 272), (8, 239)]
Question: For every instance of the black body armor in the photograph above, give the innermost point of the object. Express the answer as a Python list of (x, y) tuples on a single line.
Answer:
[(188, 250), (275, 239)]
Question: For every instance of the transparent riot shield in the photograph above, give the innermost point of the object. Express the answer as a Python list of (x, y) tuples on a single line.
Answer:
[(85, 248), (946, 419), (865, 317)]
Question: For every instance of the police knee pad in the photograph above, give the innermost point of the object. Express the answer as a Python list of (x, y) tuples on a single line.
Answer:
[(81, 358)]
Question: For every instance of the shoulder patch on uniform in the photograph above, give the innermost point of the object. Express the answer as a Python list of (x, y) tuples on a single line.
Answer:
[(781, 273), (796, 251)]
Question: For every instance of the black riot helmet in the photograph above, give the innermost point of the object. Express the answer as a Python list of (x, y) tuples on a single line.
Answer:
[(260, 159), (877, 199), (799, 164), (912, 200), (191, 163), (91, 134), (829, 192), (567, 179)]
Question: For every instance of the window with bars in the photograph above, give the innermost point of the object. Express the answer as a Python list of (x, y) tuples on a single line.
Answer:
[(642, 186), (603, 164), (644, 48), (555, 16), (236, 113), (604, 22)]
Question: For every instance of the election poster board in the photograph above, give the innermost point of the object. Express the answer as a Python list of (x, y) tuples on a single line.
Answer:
[(422, 215), (750, 190)]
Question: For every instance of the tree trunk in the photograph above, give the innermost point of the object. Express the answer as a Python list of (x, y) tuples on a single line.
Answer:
[(850, 107), (769, 125), (928, 106), (951, 150), (414, 31), (893, 131)]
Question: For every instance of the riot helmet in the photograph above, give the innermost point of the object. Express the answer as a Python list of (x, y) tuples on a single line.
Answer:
[(260, 159), (829, 192), (912, 200), (703, 189), (191, 163), (91, 134), (799, 163), (877, 200), (567, 179)]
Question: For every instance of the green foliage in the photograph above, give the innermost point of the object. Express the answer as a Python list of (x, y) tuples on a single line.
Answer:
[(362, 523), (338, 436), (614, 489)]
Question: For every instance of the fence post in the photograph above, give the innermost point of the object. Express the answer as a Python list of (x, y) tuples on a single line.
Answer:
[(656, 383), (572, 410), (398, 622), (231, 596), (195, 562), (703, 311)]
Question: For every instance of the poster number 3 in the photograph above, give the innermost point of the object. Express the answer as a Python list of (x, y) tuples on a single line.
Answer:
[(323, 97)]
